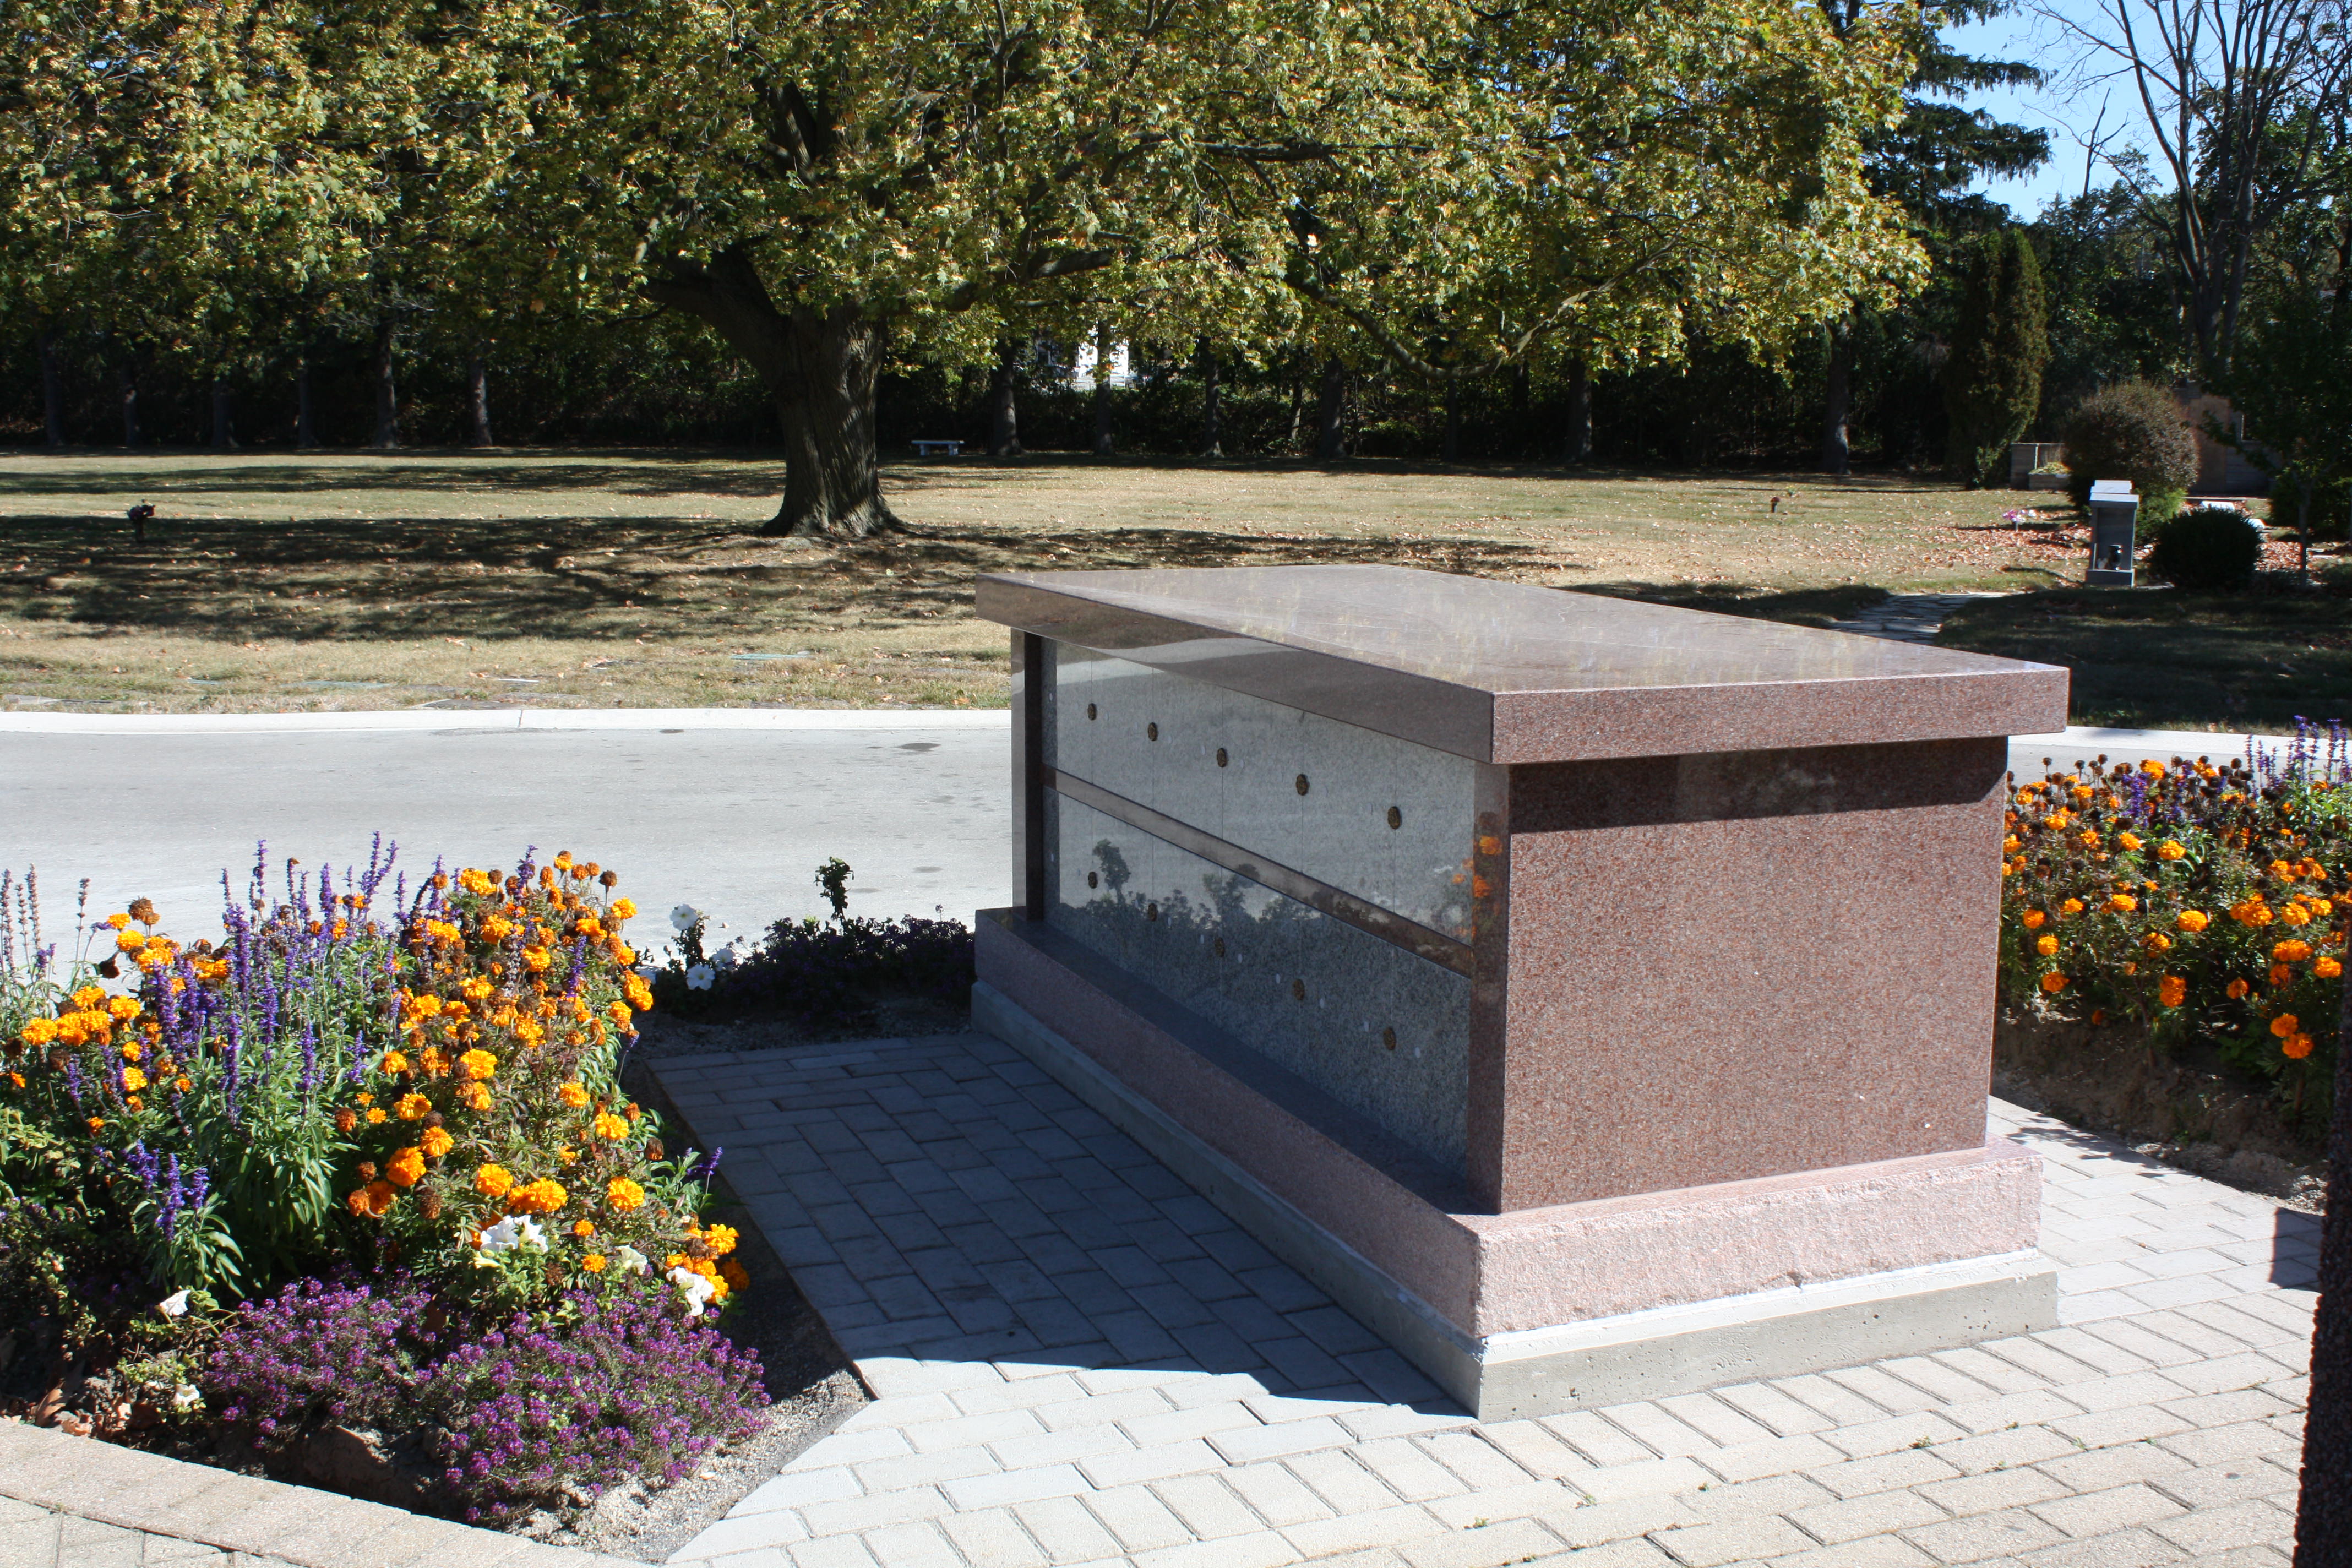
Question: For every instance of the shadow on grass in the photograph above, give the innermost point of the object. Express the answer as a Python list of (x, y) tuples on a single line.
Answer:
[(1797, 607), (2162, 659)]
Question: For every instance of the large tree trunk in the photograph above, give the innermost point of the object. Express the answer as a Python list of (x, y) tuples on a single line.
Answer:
[(1003, 413), (53, 389), (223, 416), (306, 433), (1330, 414), (1576, 444), (477, 400), (2323, 1525), (1212, 425), (1103, 347), (1837, 400), (387, 390), (821, 370), (126, 389)]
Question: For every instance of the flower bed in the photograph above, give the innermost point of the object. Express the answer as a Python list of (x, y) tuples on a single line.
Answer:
[(2197, 901), (362, 1170)]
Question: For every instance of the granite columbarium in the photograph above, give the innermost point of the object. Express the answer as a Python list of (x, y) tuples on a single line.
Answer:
[(1595, 997)]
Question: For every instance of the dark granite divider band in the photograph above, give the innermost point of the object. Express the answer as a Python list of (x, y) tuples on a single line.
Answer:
[(1370, 919)]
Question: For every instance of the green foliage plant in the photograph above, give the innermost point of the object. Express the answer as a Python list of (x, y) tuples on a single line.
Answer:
[(1993, 383), (2206, 550), (2131, 430)]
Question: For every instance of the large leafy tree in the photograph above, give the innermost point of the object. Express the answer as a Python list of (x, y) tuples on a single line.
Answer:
[(825, 182)]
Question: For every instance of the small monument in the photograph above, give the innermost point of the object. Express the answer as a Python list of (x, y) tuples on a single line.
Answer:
[(2114, 516), (1596, 998)]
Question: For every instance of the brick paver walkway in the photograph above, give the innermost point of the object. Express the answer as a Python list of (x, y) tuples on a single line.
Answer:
[(1079, 1359)]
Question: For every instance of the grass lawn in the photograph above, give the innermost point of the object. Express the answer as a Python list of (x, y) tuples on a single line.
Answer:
[(370, 580), (2161, 659)]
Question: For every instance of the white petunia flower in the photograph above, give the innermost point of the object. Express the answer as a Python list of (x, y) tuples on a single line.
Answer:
[(185, 1397), (174, 1305), (513, 1232), (699, 977), (726, 957), (629, 1260), (683, 917), (693, 1287)]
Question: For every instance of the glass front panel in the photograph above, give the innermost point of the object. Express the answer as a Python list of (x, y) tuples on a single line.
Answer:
[(1382, 1031), (1384, 819)]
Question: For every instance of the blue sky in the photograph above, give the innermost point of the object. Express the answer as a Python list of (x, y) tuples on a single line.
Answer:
[(2066, 108)]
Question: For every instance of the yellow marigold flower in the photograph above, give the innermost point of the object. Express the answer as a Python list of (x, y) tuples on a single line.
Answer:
[(2046, 946), (475, 989), (640, 995), (496, 929), (619, 1013), (479, 1064), (122, 1009), (2152, 768), (2171, 990), (2128, 840), (2285, 1024), (393, 1062), (593, 1263), (426, 1006), (2169, 850), (625, 1194), (433, 1061), (2192, 919), (405, 1167), (2122, 903), (2156, 941), (134, 1081), (40, 1031), (624, 909), (723, 1240), (181, 1084), (587, 925), (436, 1142), (492, 1181), (572, 1094), (530, 1032), (88, 996), (542, 1196), (568, 1155), (611, 1126), (473, 1096), (536, 959), (2054, 984), (129, 942), (413, 1106), (2327, 969), (2071, 907), (131, 1050), (583, 1228), (118, 921), (2297, 1046)]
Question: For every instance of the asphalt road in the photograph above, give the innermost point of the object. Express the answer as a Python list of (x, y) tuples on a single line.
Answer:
[(733, 820), (730, 810)]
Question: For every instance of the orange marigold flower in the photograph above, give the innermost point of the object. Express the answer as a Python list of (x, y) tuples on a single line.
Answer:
[(2071, 907), (122, 1009), (625, 1194), (2156, 941), (624, 909), (2171, 990), (479, 1064), (2121, 903), (95, 1123), (473, 1096), (433, 1061), (2054, 984), (723, 1240), (2290, 952), (2169, 850), (536, 959), (405, 1167), (610, 1126), (2327, 969), (436, 1142), (134, 1081), (2297, 1046), (493, 1181), (2033, 919), (619, 1013), (2236, 990), (2046, 946), (583, 1228), (2281, 974), (413, 1106), (2192, 919), (2285, 1024), (394, 1063), (572, 1094), (2295, 915), (542, 1196), (593, 1263), (374, 1115), (370, 1201), (2282, 870), (346, 1119), (2128, 840)]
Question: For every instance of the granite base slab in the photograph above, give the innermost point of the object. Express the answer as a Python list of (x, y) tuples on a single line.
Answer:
[(1543, 1310)]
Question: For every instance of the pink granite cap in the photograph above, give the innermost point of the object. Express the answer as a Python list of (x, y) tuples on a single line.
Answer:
[(1504, 672)]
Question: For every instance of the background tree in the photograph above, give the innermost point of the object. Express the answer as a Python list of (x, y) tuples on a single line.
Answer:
[(1992, 382)]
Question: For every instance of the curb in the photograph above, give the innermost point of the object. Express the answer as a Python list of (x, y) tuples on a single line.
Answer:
[(525, 719), (301, 1525)]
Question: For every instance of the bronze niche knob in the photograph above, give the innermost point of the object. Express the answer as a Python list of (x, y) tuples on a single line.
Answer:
[(1220, 756), (1299, 991), (1219, 946), (1151, 911), (1094, 880), (1090, 709), (1152, 731), (1301, 784), (1388, 1038), (1396, 817)]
